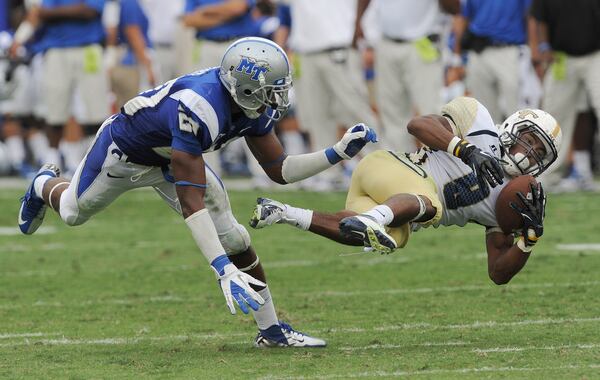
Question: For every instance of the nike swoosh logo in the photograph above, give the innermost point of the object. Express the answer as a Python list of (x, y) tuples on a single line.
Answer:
[(21, 221), (113, 176)]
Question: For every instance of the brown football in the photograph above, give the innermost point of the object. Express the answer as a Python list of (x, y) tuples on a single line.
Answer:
[(508, 219)]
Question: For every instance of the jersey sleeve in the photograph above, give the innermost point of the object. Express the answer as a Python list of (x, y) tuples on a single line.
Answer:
[(470, 120), (189, 132), (98, 5), (131, 13)]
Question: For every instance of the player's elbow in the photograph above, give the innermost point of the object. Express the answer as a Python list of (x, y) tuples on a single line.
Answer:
[(499, 278)]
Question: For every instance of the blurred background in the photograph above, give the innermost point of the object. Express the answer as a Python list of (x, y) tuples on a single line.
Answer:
[(66, 65)]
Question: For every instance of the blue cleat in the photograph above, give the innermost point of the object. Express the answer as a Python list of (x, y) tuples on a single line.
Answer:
[(33, 208), (283, 335)]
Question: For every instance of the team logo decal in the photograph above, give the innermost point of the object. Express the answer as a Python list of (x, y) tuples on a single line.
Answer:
[(253, 67), (524, 113)]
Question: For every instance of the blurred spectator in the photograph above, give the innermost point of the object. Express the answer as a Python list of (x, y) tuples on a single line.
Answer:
[(136, 71), (494, 33), (72, 45), (217, 23), (566, 52), (408, 68), (329, 82), (164, 17)]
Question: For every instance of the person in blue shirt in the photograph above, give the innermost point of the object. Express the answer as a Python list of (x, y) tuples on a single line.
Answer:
[(494, 32), (159, 139), (72, 46), (136, 68)]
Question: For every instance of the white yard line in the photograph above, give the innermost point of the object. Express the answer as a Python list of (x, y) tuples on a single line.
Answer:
[(582, 346), (396, 346), (14, 231), (429, 372), (579, 247), (346, 330), (26, 335), (173, 298)]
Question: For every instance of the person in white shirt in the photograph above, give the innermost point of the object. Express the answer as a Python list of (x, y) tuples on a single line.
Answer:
[(408, 68)]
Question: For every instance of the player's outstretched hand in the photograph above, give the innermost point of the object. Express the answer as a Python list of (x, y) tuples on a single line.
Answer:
[(485, 166), (235, 285), (533, 213), (354, 140)]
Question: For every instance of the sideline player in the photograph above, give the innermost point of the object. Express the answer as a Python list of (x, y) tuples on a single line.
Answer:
[(158, 140), (445, 183)]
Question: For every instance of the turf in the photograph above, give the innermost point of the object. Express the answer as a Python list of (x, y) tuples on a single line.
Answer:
[(128, 295)]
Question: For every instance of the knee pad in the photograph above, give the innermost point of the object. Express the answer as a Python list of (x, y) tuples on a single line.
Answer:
[(69, 209), (236, 240)]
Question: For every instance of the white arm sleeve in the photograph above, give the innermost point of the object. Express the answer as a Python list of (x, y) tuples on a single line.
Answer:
[(205, 234), (301, 166)]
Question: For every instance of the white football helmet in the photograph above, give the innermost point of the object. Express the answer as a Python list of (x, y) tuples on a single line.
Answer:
[(256, 71), (544, 127)]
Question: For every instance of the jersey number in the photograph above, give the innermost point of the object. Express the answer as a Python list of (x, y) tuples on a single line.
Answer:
[(464, 191)]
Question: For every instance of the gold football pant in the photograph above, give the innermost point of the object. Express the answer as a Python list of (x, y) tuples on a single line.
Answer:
[(381, 175)]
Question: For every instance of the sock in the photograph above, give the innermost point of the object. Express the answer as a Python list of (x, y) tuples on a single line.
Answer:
[(265, 316), (582, 163), (16, 151), (382, 214), (38, 142), (293, 142), (298, 217), (38, 184)]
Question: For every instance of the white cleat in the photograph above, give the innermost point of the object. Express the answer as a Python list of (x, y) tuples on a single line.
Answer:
[(266, 213), (369, 231), (283, 335)]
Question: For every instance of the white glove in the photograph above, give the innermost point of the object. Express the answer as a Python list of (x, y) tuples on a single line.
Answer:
[(235, 285), (353, 141)]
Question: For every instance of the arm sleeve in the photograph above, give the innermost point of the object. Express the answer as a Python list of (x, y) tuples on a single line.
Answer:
[(284, 14), (461, 112)]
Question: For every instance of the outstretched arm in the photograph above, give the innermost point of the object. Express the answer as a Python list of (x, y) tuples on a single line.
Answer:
[(437, 133), (283, 169), (190, 184), (505, 259)]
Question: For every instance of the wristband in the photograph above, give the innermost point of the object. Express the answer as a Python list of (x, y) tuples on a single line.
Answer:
[(453, 144), (544, 47), (522, 246)]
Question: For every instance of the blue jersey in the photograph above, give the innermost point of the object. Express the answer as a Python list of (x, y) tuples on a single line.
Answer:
[(241, 26), (502, 21), (191, 113), (132, 15), (3, 15), (73, 32)]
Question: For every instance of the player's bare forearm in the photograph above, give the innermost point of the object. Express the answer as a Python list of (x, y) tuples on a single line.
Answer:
[(269, 153), (505, 259), (134, 36), (78, 11), (215, 14), (433, 131), (328, 225), (190, 169)]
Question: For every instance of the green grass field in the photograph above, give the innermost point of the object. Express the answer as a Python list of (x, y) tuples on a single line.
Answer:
[(129, 296)]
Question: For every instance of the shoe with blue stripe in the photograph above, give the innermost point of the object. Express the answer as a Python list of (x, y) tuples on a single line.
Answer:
[(283, 335), (33, 208)]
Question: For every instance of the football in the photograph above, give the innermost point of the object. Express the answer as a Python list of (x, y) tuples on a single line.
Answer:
[(508, 219)]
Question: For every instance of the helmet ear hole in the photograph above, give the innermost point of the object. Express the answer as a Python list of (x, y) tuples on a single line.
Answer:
[(247, 92)]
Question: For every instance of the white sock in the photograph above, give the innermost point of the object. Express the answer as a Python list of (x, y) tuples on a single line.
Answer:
[(298, 217), (38, 184), (38, 142), (265, 316), (72, 154), (582, 163), (16, 150), (293, 142), (382, 214)]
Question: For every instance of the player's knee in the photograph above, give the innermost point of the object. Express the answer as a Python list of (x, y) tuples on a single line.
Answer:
[(71, 217), (236, 240)]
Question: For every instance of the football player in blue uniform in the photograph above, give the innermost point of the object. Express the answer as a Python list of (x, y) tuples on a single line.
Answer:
[(158, 140)]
